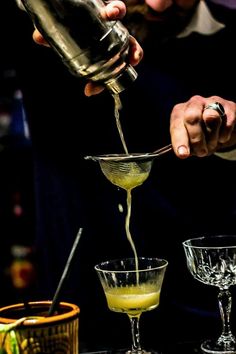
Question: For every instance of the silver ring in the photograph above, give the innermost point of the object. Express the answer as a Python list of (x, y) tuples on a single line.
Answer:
[(217, 107)]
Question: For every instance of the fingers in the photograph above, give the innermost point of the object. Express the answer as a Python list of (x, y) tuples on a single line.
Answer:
[(178, 132), (114, 10), (212, 124), (92, 89), (135, 52), (229, 121), (219, 128), (198, 131), (38, 38)]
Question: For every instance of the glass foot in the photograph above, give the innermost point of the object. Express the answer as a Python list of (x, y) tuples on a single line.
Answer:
[(123, 351), (219, 347), (142, 352)]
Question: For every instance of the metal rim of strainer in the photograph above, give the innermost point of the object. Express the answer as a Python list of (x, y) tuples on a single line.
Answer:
[(130, 157)]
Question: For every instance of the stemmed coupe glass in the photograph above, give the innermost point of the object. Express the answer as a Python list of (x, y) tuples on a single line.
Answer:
[(132, 290), (212, 261)]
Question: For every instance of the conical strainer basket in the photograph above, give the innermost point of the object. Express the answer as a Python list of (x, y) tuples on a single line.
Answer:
[(128, 170)]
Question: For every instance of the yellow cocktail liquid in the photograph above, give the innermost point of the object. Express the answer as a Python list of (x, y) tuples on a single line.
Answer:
[(127, 179), (133, 300)]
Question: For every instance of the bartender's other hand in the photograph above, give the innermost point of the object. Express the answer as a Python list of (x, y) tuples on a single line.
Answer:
[(114, 9), (198, 131)]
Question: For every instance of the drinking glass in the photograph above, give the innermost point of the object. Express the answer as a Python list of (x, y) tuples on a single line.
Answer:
[(212, 261), (132, 286)]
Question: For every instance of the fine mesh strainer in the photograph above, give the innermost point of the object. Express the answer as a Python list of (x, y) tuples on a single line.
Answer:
[(128, 170)]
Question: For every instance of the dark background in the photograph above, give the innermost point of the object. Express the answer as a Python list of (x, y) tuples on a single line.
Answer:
[(179, 200)]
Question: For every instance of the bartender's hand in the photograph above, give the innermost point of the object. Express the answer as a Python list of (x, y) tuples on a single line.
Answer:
[(199, 130), (114, 10)]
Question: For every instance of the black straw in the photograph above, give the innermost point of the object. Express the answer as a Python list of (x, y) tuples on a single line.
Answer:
[(65, 273)]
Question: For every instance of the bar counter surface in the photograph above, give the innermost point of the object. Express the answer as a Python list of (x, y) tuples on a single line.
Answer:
[(178, 348)]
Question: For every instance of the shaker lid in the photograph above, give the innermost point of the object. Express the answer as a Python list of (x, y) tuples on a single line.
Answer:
[(122, 81)]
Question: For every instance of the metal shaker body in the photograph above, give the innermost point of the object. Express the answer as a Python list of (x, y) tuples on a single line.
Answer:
[(90, 46)]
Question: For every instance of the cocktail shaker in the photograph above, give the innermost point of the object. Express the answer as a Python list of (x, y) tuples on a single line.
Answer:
[(89, 45)]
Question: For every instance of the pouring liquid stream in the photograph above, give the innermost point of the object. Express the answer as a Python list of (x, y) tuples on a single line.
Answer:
[(118, 107), (127, 181), (128, 233)]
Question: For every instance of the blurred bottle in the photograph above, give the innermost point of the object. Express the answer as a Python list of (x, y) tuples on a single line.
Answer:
[(19, 125), (90, 46), (5, 121), (22, 271)]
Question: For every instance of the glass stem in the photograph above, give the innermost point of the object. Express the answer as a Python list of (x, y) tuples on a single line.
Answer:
[(225, 304), (136, 347)]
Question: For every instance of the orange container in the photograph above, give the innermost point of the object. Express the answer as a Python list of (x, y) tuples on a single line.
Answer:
[(28, 331)]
